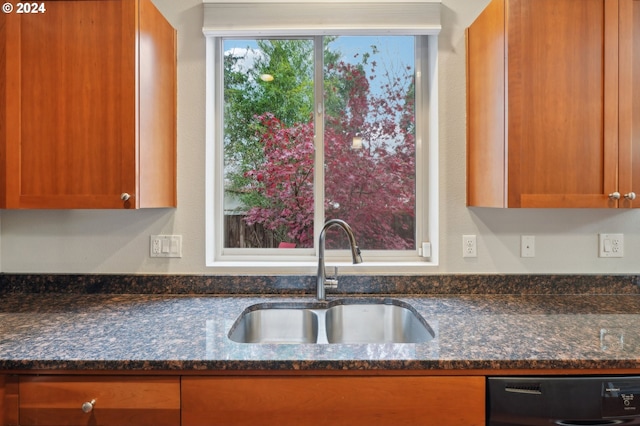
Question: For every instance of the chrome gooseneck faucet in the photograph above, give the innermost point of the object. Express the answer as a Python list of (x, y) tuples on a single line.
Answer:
[(355, 253)]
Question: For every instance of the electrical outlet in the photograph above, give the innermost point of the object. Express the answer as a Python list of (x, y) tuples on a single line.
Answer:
[(469, 247), (611, 245), (165, 246)]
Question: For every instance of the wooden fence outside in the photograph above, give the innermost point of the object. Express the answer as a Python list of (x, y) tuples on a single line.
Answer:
[(240, 235)]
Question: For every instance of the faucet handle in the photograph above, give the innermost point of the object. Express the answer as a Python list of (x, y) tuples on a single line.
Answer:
[(333, 281), (357, 260)]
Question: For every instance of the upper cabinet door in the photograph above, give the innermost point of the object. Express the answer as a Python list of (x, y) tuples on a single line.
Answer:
[(544, 132), (629, 94), (82, 105)]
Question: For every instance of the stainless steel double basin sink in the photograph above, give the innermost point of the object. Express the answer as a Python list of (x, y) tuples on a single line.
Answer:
[(338, 321)]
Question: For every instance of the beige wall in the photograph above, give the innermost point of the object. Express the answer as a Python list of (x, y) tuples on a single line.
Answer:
[(118, 241)]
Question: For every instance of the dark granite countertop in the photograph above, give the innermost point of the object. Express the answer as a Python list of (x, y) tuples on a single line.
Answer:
[(174, 332)]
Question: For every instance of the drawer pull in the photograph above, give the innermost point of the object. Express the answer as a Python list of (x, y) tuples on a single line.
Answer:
[(87, 407)]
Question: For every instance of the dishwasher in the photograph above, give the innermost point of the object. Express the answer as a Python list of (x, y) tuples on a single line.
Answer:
[(563, 400)]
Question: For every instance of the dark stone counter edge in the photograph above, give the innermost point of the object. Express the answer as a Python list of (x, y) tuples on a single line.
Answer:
[(305, 285), (216, 367)]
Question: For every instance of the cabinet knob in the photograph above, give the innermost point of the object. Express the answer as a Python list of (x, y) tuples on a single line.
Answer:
[(87, 407), (614, 196), (630, 196), (125, 196)]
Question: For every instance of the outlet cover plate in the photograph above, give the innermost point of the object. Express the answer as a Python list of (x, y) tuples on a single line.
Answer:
[(611, 245), (469, 246), (527, 246)]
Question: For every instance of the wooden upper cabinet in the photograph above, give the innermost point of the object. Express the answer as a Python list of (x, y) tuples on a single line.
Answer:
[(88, 101), (629, 99), (551, 104)]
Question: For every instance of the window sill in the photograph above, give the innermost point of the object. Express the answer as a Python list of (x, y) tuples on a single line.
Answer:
[(310, 268)]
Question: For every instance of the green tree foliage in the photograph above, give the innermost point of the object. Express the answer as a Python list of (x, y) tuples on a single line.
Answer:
[(249, 94)]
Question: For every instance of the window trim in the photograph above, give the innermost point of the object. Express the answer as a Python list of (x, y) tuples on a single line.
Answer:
[(297, 18), (271, 260)]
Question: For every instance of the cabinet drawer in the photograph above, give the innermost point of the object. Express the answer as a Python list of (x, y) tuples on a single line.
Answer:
[(118, 401), (353, 401)]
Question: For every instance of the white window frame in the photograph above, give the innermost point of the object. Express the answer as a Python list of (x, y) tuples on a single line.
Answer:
[(304, 261)]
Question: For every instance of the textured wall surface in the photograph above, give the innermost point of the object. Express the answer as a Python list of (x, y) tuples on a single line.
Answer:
[(118, 241)]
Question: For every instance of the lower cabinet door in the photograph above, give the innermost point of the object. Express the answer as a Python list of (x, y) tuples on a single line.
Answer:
[(99, 400), (332, 400), (8, 400)]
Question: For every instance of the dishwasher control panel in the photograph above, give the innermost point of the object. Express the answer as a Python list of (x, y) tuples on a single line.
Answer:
[(621, 397)]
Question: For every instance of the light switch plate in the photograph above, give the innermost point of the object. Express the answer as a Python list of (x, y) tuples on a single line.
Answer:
[(165, 246)]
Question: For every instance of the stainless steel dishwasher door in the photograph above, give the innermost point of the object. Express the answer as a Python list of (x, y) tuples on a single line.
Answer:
[(564, 401)]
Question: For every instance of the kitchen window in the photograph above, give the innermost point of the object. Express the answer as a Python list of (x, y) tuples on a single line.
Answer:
[(308, 122)]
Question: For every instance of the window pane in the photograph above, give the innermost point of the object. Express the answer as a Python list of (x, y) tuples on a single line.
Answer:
[(369, 139), (268, 143)]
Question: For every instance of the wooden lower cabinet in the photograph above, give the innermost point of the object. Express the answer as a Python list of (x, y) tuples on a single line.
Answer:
[(333, 400), (8, 400), (350, 400), (3, 404), (109, 400)]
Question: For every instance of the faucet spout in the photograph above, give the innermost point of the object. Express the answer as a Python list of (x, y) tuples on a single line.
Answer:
[(355, 253)]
